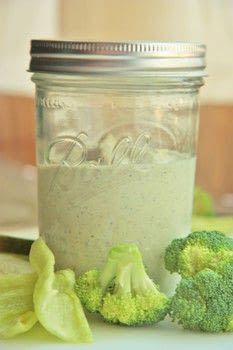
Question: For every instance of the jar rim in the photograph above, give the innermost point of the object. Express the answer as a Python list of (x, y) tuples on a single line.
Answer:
[(134, 57)]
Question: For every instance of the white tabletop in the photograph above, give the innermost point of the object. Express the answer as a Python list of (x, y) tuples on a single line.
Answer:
[(163, 336)]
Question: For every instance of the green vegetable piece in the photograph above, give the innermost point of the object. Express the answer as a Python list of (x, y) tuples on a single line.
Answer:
[(123, 292), (205, 301), (16, 304), (197, 251), (14, 263), (222, 223), (89, 290), (203, 203), (56, 305)]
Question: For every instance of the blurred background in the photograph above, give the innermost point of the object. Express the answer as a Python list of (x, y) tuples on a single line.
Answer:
[(206, 21)]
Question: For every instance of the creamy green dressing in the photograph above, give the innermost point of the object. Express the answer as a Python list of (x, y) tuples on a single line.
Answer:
[(85, 210)]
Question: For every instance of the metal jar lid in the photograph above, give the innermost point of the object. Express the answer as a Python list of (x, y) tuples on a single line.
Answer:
[(156, 58)]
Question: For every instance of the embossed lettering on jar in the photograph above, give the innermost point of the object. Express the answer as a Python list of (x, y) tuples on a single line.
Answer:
[(116, 143)]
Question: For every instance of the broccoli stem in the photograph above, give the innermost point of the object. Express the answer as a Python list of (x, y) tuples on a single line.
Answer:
[(117, 259), (108, 274), (141, 283), (123, 280), (125, 267)]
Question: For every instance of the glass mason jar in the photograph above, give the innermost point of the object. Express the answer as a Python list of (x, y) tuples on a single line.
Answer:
[(116, 139)]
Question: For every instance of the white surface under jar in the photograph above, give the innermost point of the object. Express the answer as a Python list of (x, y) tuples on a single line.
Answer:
[(116, 138)]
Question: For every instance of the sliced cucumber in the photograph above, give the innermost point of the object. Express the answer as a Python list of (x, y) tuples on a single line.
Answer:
[(16, 304), (13, 263), (57, 306)]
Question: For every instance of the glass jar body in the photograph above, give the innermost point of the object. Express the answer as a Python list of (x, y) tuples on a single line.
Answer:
[(116, 164)]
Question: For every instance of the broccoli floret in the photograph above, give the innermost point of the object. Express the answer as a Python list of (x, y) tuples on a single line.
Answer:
[(197, 251), (203, 203), (89, 290), (205, 301), (123, 292)]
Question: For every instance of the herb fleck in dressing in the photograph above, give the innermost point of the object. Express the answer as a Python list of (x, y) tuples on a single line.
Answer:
[(88, 209)]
